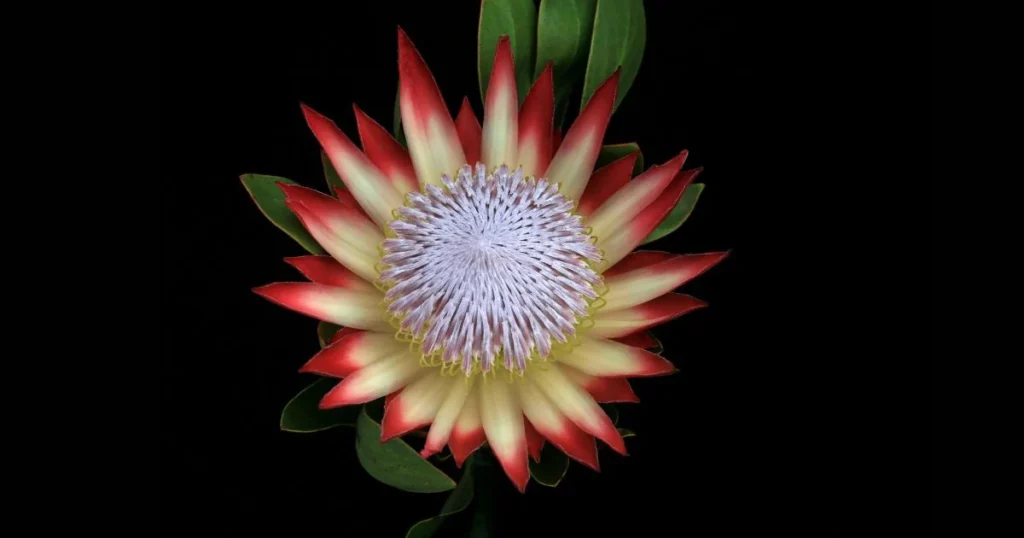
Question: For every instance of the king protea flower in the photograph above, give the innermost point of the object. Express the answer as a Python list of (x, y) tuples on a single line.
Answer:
[(485, 278)]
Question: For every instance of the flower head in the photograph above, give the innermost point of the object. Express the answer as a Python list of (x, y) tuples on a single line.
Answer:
[(486, 277)]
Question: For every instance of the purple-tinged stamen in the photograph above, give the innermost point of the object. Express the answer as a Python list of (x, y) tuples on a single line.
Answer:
[(492, 265)]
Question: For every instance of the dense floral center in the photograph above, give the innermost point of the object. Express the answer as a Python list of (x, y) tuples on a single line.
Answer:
[(491, 269)]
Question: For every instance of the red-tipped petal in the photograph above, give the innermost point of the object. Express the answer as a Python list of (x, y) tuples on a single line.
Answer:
[(341, 220), (349, 308), (366, 183), (535, 125), (642, 340), (631, 288), (386, 153), (556, 140), (578, 405), (574, 161), (468, 434), (628, 237), (342, 333), (469, 131), (630, 320), (353, 351), (429, 130), (345, 196), (327, 270), (502, 418), (374, 381), (415, 406), (555, 426), (606, 358), (636, 195), (355, 259), (638, 260), (603, 389), (441, 429), (605, 182), (501, 109), (534, 440), (611, 390)]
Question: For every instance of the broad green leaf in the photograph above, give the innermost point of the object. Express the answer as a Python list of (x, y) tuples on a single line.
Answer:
[(518, 20), (399, 132), (626, 433), (324, 332), (270, 200), (458, 501), (334, 181), (551, 468), (679, 213), (614, 152), (395, 463), (617, 41), (563, 38), (302, 414)]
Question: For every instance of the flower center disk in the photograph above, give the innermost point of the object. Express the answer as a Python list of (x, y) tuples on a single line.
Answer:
[(490, 269)]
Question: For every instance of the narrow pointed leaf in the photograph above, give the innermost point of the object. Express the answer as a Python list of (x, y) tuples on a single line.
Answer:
[(626, 433), (324, 332), (679, 213), (614, 152), (551, 468), (334, 182), (518, 20), (457, 501), (302, 414), (270, 200), (563, 38), (617, 41), (395, 463)]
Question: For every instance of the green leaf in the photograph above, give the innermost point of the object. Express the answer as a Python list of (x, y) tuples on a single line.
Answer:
[(399, 132), (626, 433), (618, 39), (563, 38), (270, 200), (679, 213), (551, 468), (614, 152), (518, 20), (458, 501), (395, 463), (334, 182), (325, 331), (302, 414)]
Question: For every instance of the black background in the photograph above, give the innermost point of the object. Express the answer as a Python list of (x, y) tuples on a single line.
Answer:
[(800, 406)]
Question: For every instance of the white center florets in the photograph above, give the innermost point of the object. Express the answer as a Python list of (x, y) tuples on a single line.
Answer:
[(493, 266)]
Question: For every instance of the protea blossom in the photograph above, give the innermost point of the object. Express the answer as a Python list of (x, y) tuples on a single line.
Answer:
[(485, 278)]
